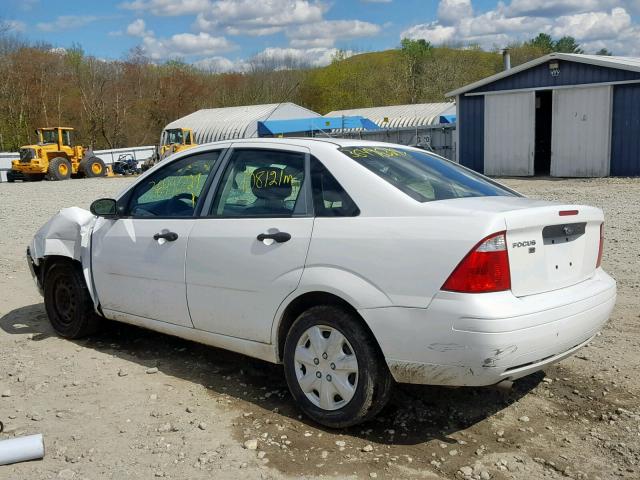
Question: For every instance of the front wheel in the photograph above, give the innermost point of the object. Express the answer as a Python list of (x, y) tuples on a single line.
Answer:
[(333, 368), (94, 167), (59, 169), (67, 301)]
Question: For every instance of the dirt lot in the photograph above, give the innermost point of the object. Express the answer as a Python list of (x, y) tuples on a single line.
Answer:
[(135, 404)]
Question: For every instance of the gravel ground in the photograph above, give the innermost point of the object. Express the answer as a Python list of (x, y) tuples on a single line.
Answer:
[(130, 403)]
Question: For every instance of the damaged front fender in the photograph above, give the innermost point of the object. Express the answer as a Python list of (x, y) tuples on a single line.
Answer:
[(67, 234)]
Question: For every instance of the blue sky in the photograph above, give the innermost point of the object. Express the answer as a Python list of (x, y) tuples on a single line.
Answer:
[(227, 35)]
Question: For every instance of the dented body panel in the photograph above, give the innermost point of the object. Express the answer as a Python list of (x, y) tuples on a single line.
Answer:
[(67, 234)]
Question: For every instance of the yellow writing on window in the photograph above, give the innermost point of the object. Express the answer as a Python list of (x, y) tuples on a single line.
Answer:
[(270, 178)]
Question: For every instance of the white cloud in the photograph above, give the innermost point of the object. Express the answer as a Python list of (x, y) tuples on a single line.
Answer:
[(376, 1), (327, 32), (432, 32), (593, 25), (451, 11), (221, 65), (521, 20), (185, 45), (556, 8), (138, 28), (255, 17), (294, 57), (66, 22), (169, 8)]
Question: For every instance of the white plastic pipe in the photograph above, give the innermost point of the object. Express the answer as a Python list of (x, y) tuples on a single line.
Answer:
[(21, 449)]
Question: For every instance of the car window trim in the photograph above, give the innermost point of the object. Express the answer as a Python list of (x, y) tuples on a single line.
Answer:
[(305, 189), (127, 197)]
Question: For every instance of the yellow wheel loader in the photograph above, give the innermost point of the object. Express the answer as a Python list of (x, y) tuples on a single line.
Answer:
[(55, 158), (172, 140)]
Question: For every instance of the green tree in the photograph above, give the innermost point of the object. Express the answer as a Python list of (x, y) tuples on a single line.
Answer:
[(604, 52), (567, 44), (415, 54), (543, 42)]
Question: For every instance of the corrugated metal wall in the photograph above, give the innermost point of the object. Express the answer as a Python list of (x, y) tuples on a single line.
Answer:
[(625, 133), (471, 132), (571, 73), (581, 132), (437, 138), (509, 133)]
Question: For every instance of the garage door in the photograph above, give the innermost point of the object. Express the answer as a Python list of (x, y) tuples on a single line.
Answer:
[(581, 132), (509, 133)]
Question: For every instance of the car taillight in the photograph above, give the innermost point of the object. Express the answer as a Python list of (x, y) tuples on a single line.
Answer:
[(600, 247), (484, 269)]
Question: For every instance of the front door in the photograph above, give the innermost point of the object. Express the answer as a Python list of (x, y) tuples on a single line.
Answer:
[(138, 260), (249, 252)]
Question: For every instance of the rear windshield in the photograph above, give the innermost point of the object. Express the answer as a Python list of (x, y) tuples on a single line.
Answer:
[(424, 177)]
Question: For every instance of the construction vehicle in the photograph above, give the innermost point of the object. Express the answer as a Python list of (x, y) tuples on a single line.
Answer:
[(172, 140), (55, 158)]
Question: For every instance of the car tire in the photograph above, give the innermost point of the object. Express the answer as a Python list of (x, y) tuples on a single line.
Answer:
[(329, 386), (67, 301), (93, 167), (59, 169)]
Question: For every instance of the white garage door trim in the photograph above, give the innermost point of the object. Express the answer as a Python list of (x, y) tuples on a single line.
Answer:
[(581, 132), (509, 134)]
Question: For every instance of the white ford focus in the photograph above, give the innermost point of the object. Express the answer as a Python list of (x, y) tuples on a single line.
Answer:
[(353, 263)]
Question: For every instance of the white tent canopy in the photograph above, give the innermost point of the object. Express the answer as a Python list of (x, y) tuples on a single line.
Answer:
[(401, 115), (213, 124)]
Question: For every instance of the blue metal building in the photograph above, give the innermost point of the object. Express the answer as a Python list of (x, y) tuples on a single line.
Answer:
[(566, 115)]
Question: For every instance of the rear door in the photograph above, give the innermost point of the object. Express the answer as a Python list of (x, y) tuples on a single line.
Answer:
[(509, 133), (248, 252), (581, 132)]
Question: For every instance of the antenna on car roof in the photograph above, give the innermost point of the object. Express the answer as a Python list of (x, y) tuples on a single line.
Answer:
[(285, 99)]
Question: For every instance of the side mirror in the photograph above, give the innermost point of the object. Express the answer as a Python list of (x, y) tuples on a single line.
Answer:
[(104, 207)]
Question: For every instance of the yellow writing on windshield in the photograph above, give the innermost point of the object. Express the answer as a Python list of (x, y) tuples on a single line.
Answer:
[(365, 152)]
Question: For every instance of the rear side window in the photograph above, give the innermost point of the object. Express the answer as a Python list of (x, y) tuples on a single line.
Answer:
[(261, 183), (423, 177), (329, 198)]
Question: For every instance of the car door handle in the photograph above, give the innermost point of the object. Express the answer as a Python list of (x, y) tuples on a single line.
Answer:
[(279, 237), (168, 236)]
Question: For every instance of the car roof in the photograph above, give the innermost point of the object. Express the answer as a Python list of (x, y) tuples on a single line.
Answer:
[(305, 141)]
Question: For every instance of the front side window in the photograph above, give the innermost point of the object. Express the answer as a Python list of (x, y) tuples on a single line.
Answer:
[(49, 136), (423, 177), (260, 183), (174, 190), (174, 136)]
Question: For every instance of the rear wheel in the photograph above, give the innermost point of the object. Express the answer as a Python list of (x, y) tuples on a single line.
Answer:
[(59, 169), (93, 167), (333, 368), (67, 301)]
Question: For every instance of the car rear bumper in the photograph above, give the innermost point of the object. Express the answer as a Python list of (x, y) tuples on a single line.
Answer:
[(482, 339)]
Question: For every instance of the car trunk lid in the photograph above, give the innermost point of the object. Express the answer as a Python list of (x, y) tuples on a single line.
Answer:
[(551, 247)]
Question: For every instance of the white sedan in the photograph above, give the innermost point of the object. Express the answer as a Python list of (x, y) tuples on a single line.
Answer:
[(352, 263)]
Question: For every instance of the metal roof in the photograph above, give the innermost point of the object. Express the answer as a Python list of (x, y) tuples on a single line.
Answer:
[(213, 124), (401, 115), (314, 124), (622, 63)]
